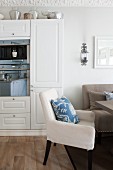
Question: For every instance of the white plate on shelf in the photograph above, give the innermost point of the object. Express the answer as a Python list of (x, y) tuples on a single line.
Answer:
[(1, 16)]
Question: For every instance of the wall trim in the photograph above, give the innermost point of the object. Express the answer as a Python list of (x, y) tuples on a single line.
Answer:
[(22, 132), (60, 3)]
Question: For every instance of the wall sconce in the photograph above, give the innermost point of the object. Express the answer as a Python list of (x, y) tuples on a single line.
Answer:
[(84, 54)]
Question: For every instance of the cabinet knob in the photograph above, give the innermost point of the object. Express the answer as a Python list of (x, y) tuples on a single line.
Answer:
[(13, 34), (13, 98), (13, 115)]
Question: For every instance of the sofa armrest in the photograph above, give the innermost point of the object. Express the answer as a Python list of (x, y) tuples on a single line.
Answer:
[(86, 115)]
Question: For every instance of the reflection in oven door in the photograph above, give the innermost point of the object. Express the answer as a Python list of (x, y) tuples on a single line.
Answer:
[(13, 88)]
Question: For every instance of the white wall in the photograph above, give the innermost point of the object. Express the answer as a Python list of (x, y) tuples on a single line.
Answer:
[(81, 25)]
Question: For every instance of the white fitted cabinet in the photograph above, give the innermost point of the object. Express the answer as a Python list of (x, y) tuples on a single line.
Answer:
[(37, 117), (46, 51), (15, 112), (15, 28), (46, 64)]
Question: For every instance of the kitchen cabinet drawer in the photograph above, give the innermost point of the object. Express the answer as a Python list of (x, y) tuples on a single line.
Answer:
[(14, 104), (14, 28), (15, 121)]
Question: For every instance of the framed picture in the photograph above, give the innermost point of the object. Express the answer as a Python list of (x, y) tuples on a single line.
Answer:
[(103, 52)]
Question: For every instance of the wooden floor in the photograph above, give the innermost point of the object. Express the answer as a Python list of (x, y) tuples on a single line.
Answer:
[(27, 153)]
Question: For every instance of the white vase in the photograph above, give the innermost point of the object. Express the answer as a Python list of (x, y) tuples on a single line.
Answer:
[(15, 14)]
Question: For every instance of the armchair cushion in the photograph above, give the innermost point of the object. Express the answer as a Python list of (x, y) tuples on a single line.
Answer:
[(64, 110)]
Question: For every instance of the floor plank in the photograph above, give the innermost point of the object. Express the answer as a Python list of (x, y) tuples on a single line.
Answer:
[(6, 156), (62, 157), (19, 162), (30, 158), (4, 139)]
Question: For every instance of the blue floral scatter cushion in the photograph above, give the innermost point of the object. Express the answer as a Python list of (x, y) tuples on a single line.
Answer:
[(109, 95), (64, 110)]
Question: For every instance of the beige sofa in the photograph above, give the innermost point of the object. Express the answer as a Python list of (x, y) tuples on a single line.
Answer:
[(103, 119)]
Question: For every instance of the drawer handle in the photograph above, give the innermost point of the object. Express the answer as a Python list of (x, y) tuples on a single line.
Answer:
[(13, 99), (13, 115)]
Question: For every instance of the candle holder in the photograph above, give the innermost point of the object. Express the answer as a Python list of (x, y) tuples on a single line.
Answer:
[(84, 55)]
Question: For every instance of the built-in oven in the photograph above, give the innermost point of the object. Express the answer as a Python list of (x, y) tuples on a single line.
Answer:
[(14, 67)]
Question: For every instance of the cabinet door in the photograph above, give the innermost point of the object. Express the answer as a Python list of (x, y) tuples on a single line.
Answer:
[(37, 117), (14, 28), (46, 53)]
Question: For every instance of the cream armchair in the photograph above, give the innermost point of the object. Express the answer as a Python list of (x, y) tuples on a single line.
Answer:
[(81, 135)]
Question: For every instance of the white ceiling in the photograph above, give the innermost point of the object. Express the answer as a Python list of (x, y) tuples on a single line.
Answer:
[(59, 3)]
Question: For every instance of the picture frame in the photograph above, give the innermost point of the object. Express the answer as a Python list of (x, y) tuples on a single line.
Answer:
[(103, 52)]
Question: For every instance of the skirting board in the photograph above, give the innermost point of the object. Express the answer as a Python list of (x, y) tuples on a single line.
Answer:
[(22, 132)]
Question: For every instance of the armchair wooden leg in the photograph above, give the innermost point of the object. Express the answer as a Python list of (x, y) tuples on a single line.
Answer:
[(48, 146), (90, 160), (70, 158), (99, 137)]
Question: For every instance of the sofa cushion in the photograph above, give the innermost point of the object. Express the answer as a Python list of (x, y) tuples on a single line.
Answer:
[(95, 96), (64, 110)]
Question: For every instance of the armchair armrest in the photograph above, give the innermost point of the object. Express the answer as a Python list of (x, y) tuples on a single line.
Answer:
[(77, 135), (86, 115)]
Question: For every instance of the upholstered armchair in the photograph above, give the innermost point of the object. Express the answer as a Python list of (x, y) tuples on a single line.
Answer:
[(81, 135)]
